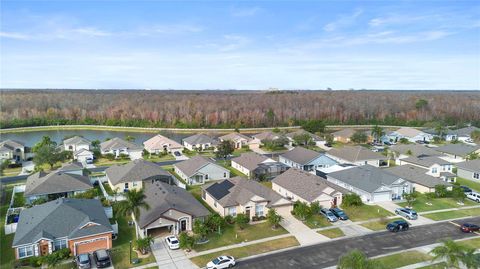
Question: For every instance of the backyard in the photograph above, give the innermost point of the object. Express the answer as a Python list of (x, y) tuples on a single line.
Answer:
[(7, 253), (423, 203)]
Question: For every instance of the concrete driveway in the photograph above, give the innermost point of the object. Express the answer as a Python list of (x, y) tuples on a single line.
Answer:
[(391, 206), (302, 233), (170, 259)]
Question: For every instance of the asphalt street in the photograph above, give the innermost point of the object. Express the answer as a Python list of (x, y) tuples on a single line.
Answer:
[(327, 254)]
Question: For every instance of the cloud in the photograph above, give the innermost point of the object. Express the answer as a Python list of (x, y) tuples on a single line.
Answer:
[(13, 35), (90, 31), (343, 21), (245, 12)]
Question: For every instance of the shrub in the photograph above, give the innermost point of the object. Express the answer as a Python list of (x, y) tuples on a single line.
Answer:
[(302, 210), (242, 220), (143, 244), (351, 199), (315, 207), (109, 156), (186, 241), (215, 222), (441, 191), (229, 219), (274, 218)]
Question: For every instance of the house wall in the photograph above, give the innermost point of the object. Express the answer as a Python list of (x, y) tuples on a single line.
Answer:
[(422, 189), (214, 172), (75, 147), (468, 174), (133, 154), (82, 157), (213, 204), (242, 169), (180, 173), (197, 146), (133, 185), (367, 197), (324, 201), (90, 243)]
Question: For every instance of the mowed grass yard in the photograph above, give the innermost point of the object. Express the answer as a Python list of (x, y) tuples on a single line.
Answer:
[(7, 254), (315, 221), (332, 233), (474, 185), (403, 259), (378, 225), (420, 204), (453, 214), (250, 250), (366, 212)]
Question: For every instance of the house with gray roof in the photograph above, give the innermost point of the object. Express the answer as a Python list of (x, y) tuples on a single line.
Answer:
[(447, 134), (257, 139), (403, 151), (411, 134), (357, 155), (436, 166), (458, 152), (76, 143), (469, 170), (118, 146), (305, 159), (130, 176), (12, 150), (464, 134), (345, 135), (238, 195), (65, 182), (199, 169), (248, 162), (299, 185), (78, 224), (239, 140), (371, 183), (419, 177), (172, 210), (199, 142), (314, 139)]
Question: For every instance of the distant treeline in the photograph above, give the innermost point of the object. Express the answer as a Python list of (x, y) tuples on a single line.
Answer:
[(235, 109)]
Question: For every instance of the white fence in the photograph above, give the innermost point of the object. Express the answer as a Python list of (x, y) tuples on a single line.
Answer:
[(10, 228)]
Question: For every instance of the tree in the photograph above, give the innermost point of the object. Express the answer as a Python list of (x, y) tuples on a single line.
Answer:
[(329, 139), (314, 126), (450, 251), (440, 130), (134, 201), (356, 259), (186, 241), (351, 199), (377, 132), (46, 141), (224, 149), (410, 197), (215, 222), (242, 220), (458, 193), (475, 135), (473, 156), (129, 138), (303, 139), (359, 137), (143, 244), (270, 116), (273, 218), (315, 207), (421, 104), (441, 191), (200, 229), (302, 210), (48, 154), (403, 140), (96, 144)]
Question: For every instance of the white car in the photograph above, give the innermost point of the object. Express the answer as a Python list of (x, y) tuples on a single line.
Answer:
[(475, 196), (172, 242), (221, 262)]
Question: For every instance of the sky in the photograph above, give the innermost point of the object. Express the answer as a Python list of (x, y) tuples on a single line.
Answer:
[(253, 45)]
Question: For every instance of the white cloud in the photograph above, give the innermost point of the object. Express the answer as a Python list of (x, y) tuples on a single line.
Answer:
[(343, 21), (14, 35)]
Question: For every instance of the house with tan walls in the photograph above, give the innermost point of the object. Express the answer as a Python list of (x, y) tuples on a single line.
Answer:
[(160, 143), (357, 155), (419, 177), (248, 162), (239, 140), (118, 146)]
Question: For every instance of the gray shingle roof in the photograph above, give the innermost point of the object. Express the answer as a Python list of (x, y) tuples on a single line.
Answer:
[(301, 155), (301, 132), (465, 131), (161, 197), (425, 161), (266, 136), (55, 182), (250, 160), (118, 143), (73, 166), (416, 175), (355, 154), (458, 149), (61, 218), (76, 140), (365, 177), (473, 165), (191, 166), (306, 185), (234, 137), (415, 149), (11, 144), (137, 170), (199, 139)]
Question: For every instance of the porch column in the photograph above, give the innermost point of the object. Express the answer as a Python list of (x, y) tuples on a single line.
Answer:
[(50, 247)]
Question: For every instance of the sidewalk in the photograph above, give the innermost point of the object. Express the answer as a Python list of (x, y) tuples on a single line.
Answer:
[(304, 234)]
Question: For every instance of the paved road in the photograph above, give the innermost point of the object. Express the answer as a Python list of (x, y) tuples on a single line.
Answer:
[(327, 254)]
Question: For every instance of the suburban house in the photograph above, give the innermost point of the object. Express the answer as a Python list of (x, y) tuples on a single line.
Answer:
[(357, 155), (436, 166), (257, 139), (344, 135), (469, 169), (172, 210), (82, 155), (131, 175), (59, 183), (411, 134), (315, 139), (76, 143), (160, 143), (298, 185), (458, 152), (78, 224), (403, 151), (199, 142), (371, 183), (242, 196), (199, 169), (305, 159), (419, 177), (464, 134), (268, 170), (12, 150), (239, 140), (447, 134), (118, 146), (248, 162)]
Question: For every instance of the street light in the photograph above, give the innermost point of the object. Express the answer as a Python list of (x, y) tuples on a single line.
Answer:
[(130, 251)]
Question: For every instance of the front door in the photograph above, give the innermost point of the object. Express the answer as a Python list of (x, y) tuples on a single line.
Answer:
[(44, 249), (183, 225), (247, 212)]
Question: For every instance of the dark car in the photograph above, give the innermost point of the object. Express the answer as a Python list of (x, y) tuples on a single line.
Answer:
[(178, 154), (469, 228), (466, 189), (328, 145), (102, 259), (422, 142), (398, 225), (387, 143), (339, 213), (83, 261)]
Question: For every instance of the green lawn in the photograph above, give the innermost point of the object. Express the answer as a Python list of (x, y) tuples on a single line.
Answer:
[(473, 243), (107, 162), (239, 152), (250, 250), (316, 221), (366, 212), (157, 158), (7, 253), (8, 172), (120, 250), (332, 233), (233, 235), (403, 259), (420, 204), (233, 172), (453, 214), (469, 183), (107, 188), (196, 191), (378, 225)]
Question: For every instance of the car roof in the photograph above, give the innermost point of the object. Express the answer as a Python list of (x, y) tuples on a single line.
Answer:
[(101, 252)]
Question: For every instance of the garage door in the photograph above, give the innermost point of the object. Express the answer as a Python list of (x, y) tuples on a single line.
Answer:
[(381, 197), (91, 245)]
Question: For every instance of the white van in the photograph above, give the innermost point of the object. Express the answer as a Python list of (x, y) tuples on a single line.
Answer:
[(475, 196)]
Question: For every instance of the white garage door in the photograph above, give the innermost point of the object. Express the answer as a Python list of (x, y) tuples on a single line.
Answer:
[(381, 197)]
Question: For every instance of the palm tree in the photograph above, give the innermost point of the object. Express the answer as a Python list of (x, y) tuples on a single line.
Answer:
[(377, 133), (356, 259), (134, 200), (453, 253)]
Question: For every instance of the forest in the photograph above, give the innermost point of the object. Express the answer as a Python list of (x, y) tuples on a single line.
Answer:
[(235, 109)]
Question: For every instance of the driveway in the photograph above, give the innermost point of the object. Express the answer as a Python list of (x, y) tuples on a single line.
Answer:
[(27, 168), (304, 235), (170, 259), (181, 157), (351, 229), (391, 206)]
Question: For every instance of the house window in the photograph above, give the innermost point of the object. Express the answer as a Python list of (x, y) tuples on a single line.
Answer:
[(258, 210), (126, 185), (232, 211), (134, 184), (59, 244), (224, 174), (24, 252), (206, 176), (434, 170), (476, 175)]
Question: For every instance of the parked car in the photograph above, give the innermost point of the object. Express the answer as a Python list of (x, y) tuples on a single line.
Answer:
[(466, 189), (83, 261), (221, 262), (328, 215), (328, 145), (178, 154), (398, 225), (422, 142), (387, 143), (88, 160), (339, 213), (469, 228), (102, 259), (474, 196), (172, 242), (407, 213)]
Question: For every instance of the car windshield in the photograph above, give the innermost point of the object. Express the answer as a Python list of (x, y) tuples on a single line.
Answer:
[(174, 241), (216, 261), (83, 258), (102, 255)]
